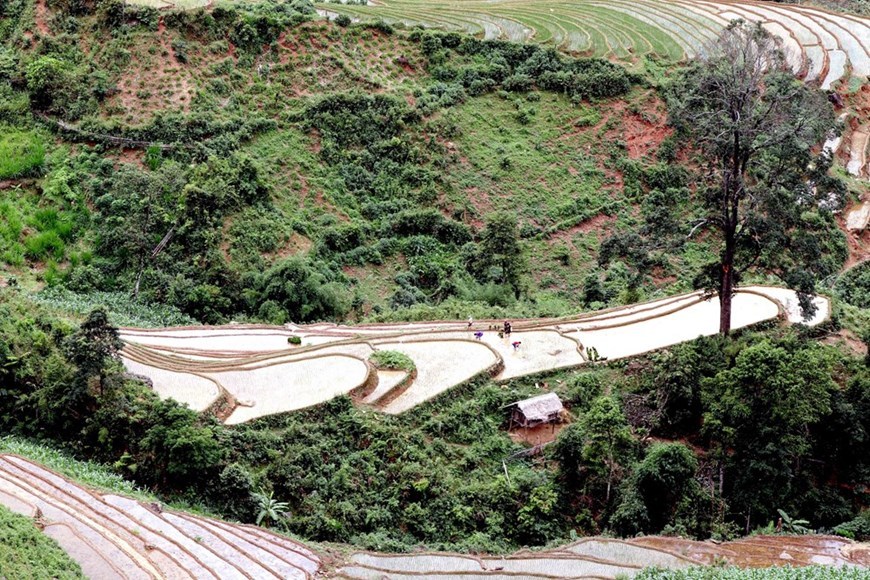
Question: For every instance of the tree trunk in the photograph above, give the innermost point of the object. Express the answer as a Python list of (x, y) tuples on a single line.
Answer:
[(726, 293), (726, 284), (731, 202)]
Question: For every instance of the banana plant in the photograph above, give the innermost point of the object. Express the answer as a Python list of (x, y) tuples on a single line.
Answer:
[(793, 526), (270, 509)]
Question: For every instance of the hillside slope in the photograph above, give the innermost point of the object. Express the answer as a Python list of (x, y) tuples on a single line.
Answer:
[(197, 159)]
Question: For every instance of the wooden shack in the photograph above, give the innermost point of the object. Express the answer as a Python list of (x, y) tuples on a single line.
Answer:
[(536, 411)]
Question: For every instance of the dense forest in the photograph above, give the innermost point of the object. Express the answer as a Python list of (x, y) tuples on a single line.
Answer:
[(247, 163)]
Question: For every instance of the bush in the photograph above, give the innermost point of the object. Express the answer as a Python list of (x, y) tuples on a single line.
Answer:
[(858, 529), (393, 360), (304, 293), (662, 478), (854, 286), (380, 26), (516, 67), (430, 222)]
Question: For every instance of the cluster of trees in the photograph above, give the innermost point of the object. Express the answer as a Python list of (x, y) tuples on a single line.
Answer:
[(769, 427), (248, 27), (65, 384), (482, 66), (160, 235), (388, 177), (162, 232)]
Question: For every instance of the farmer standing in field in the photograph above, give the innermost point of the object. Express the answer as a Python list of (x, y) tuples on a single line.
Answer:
[(470, 322)]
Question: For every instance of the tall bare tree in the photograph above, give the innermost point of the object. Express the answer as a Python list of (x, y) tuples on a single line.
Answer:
[(766, 196)]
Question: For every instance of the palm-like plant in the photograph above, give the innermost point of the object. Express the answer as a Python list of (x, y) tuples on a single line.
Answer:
[(793, 526), (269, 508)]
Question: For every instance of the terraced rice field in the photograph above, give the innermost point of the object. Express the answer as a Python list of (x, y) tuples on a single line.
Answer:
[(112, 536), (608, 558), (823, 44), (243, 372)]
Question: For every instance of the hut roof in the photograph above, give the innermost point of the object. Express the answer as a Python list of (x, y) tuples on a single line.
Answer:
[(540, 408)]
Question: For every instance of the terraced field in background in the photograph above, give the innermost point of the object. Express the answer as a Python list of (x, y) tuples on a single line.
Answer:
[(608, 558), (112, 536), (242, 372), (823, 47)]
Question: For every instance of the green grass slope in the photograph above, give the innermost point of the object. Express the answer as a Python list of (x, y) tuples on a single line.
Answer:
[(25, 552)]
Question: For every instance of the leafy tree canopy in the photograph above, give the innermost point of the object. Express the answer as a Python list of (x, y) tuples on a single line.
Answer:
[(765, 196)]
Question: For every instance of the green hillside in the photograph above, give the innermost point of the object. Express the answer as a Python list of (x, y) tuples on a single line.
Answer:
[(367, 161)]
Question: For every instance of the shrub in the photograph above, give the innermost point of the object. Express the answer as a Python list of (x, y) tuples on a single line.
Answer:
[(343, 238), (430, 222), (857, 529), (663, 477), (393, 360), (303, 292), (854, 286), (45, 76), (380, 26)]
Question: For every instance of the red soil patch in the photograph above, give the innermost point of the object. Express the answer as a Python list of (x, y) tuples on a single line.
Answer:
[(643, 129), (296, 244), (322, 64), (41, 17), (847, 340), (132, 157), (480, 201), (858, 243), (859, 103), (597, 224), (642, 136), (660, 278), (155, 80)]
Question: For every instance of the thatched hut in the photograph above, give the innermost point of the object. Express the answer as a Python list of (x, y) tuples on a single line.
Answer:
[(536, 411)]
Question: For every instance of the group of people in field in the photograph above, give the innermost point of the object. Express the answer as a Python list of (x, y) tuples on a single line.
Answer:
[(506, 332)]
